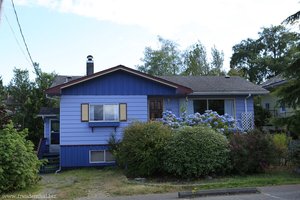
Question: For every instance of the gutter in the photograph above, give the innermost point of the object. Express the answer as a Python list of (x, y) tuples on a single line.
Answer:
[(247, 97)]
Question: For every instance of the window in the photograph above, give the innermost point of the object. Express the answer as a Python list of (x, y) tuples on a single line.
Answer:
[(100, 156), (267, 106), (54, 131), (104, 112), (155, 108), (202, 105), (216, 105)]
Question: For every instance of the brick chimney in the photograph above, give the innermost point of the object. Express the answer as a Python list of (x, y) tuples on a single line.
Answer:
[(89, 65)]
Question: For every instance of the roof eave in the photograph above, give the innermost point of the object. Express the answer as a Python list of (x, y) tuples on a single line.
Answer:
[(230, 93)]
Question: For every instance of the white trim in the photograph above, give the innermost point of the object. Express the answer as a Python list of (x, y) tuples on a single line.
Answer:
[(116, 69), (104, 156)]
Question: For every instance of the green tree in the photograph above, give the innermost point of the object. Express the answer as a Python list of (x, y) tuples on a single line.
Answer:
[(266, 56), (289, 92), (217, 61), (195, 60), (163, 61), (293, 18), (19, 164), (2, 90), (20, 88), (28, 98)]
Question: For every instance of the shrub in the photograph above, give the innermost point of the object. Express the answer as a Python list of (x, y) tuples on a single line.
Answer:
[(220, 123), (142, 148), (281, 141), (196, 151), (19, 164), (261, 116), (294, 150), (251, 152)]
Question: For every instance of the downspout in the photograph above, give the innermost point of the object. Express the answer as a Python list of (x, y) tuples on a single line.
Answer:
[(246, 109), (59, 169)]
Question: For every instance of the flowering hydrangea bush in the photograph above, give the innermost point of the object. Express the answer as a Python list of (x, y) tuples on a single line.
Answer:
[(210, 118)]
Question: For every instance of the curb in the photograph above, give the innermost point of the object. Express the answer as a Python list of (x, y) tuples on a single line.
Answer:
[(226, 191)]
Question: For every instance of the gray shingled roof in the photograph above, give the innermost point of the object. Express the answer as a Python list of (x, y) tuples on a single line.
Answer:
[(206, 85), (216, 85), (45, 111), (60, 79), (274, 81)]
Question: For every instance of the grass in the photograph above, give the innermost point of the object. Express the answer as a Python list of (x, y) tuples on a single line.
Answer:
[(112, 182)]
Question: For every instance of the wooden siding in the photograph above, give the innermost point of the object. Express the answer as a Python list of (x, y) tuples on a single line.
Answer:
[(78, 156), (75, 132), (172, 104), (119, 83)]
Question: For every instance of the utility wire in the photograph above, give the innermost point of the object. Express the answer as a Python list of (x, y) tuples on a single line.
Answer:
[(18, 43), (12, 2)]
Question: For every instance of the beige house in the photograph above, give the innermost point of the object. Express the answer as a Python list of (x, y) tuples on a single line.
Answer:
[(271, 101)]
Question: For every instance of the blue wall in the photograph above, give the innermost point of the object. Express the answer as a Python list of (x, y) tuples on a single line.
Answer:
[(119, 83), (75, 132), (78, 156), (172, 104)]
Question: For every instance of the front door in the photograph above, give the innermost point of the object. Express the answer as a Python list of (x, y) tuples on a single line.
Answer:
[(155, 108), (54, 136)]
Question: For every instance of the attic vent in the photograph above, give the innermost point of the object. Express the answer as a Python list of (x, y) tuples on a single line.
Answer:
[(68, 78)]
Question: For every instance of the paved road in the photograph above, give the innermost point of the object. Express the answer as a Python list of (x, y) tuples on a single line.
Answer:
[(286, 192)]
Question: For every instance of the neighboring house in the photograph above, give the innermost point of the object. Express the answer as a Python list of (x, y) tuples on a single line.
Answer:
[(94, 106), (271, 101)]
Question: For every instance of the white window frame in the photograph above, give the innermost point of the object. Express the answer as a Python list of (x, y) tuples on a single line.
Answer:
[(95, 104), (104, 151)]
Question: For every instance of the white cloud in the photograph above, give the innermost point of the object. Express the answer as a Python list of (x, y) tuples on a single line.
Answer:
[(220, 22), (166, 17)]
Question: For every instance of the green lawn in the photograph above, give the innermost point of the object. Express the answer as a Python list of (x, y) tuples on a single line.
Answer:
[(111, 182)]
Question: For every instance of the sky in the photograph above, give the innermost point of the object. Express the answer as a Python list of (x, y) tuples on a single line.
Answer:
[(61, 33)]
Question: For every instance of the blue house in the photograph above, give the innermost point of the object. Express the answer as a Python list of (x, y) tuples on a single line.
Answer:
[(94, 106)]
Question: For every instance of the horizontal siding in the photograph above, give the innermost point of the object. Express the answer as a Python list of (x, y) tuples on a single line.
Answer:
[(78, 156), (119, 83), (75, 132), (171, 104)]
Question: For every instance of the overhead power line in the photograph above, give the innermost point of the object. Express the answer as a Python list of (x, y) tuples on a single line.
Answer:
[(18, 43), (20, 28)]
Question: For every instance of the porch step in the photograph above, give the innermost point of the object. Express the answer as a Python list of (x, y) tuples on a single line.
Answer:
[(52, 164)]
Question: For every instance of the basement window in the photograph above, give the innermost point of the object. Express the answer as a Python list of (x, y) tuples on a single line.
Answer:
[(101, 156)]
